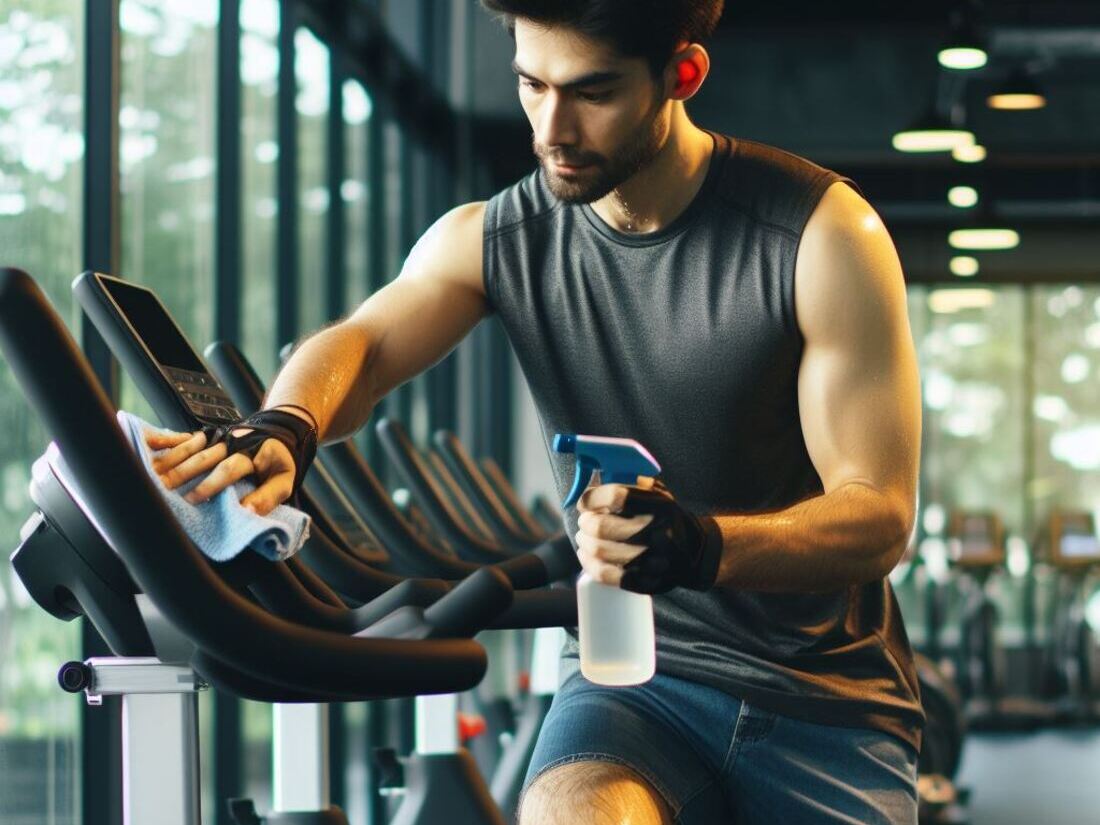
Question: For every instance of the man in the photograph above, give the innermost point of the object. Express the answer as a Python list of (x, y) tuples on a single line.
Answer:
[(739, 311)]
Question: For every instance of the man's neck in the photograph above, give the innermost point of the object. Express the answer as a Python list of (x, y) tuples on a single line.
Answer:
[(655, 196)]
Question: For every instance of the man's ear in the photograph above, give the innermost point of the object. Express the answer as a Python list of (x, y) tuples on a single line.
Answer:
[(686, 71)]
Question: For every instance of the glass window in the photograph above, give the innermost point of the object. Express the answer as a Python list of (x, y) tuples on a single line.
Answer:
[(166, 157), (41, 213), (973, 359), (972, 363), (312, 70), (260, 150), (168, 54), (1066, 406)]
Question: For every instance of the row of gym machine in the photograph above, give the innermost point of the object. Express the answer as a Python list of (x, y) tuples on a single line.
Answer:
[(383, 600), (1007, 629)]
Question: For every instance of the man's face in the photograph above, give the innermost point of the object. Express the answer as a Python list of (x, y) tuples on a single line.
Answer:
[(597, 118)]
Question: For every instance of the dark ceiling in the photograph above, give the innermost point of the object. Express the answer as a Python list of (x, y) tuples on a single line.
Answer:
[(833, 81), (895, 13)]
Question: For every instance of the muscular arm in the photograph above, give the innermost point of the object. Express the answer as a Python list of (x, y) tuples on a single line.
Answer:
[(859, 400), (341, 373)]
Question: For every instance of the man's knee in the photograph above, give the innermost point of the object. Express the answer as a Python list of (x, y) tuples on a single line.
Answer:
[(593, 793)]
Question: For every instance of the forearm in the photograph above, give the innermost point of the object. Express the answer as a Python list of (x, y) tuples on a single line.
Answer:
[(329, 375), (853, 535)]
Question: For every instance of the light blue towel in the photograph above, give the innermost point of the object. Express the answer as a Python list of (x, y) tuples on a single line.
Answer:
[(221, 527)]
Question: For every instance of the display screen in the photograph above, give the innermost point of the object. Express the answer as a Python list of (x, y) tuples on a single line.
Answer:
[(1078, 539), (975, 535), (157, 330)]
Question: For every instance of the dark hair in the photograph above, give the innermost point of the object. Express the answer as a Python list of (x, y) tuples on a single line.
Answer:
[(649, 29)]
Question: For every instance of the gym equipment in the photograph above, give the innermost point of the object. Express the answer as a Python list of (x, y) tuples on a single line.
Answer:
[(447, 759), (941, 800), (444, 517), (1069, 544), (127, 314), (976, 547), (142, 589), (480, 492), (546, 516), (409, 550)]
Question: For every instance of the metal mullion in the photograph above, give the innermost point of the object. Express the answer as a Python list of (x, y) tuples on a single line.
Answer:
[(228, 768), (101, 184), (336, 235), (227, 773), (432, 58), (338, 754), (228, 260), (287, 275), (100, 728)]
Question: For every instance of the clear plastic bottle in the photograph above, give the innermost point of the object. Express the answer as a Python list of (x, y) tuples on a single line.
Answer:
[(617, 641)]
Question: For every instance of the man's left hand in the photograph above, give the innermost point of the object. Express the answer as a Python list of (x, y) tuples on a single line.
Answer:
[(639, 538)]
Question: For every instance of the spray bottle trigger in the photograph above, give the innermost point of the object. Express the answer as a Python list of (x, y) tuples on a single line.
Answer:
[(585, 468)]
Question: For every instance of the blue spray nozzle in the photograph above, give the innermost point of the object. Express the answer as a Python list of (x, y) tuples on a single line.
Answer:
[(565, 443), (619, 460)]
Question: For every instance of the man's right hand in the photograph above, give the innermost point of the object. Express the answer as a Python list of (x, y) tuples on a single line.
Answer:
[(186, 457)]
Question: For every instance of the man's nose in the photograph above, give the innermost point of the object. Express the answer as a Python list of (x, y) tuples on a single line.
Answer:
[(556, 123)]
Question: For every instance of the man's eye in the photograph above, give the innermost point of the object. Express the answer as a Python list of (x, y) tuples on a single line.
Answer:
[(593, 97), (533, 85)]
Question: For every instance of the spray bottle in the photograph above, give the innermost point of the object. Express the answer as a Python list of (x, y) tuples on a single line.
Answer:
[(615, 626)]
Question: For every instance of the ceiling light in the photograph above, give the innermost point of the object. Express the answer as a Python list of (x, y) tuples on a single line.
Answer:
[(932, 133), (963, 58), (964, 266), (963, 50), (962, 196), (984, 239), (1018, 93), (973, 153)]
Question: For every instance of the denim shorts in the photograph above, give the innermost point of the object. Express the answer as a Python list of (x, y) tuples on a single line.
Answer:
[(716, 759)]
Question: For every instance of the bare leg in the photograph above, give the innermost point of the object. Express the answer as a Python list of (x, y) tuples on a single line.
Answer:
[(593, 793)]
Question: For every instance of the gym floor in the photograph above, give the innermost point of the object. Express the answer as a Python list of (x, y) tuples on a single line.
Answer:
[(1023, 779)]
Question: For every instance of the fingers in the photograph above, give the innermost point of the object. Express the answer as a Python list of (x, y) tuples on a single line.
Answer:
[(228, 472), (610, 498), (179, 452), (162, 441), (603, 560), (275, 466), (193, 467), (607, 498), (611, 526)]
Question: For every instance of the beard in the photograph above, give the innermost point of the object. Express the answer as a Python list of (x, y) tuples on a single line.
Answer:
[(601, 174)]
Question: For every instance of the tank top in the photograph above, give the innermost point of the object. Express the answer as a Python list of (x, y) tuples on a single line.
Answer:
[(686, 340)]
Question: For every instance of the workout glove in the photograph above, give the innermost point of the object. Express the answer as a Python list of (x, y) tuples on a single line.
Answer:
[(296, 434), (682, 549)]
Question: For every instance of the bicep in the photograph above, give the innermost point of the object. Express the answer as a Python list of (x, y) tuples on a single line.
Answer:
[(419, 317), (858, 385)]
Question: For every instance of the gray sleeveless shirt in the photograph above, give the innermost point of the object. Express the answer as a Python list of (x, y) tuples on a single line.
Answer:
[(686, 340)]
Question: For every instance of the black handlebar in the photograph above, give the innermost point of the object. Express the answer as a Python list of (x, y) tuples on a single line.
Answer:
[(60, 385)]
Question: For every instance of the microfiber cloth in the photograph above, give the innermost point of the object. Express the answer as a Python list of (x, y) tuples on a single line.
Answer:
[(220, 526)]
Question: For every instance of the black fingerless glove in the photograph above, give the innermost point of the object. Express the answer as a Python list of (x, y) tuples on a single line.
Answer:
[(682, 549), (296, 434)]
